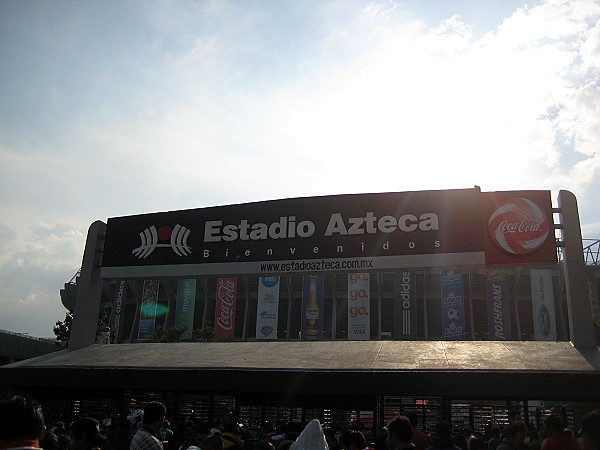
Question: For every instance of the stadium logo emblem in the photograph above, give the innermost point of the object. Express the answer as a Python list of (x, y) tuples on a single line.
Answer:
[(151, 240), (518, 226)]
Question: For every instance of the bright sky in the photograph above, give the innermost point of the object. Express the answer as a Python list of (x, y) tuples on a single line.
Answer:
[(111, 108)]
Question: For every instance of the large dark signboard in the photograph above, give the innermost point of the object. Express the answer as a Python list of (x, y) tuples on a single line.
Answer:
[(360, 232)]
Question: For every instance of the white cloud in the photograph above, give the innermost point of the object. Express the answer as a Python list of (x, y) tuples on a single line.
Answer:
[(227, 103)]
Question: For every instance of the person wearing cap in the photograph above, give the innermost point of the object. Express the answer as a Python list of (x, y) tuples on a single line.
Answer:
[(21, 424), (148, 436), (85, 434)]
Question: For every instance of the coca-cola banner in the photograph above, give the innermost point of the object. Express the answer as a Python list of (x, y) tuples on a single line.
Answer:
[(185, 306), (148, 310), (267, 308), (313, 307), (405, 305), (453, 304), (518, 228), (498, 305), (118, 308), (542, 298), (359, 307), (351, 233), (225, 308)]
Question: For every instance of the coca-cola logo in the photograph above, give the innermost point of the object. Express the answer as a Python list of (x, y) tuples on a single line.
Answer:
[(226, 290), (518, 226)]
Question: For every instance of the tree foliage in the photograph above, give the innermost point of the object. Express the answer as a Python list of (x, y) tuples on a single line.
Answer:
[(176, 334), (62, 331)]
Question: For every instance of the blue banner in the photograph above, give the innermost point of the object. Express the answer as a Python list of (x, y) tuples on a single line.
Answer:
[(312, 307), (498, 303), (267, 308), (185, 306), (453, 306)]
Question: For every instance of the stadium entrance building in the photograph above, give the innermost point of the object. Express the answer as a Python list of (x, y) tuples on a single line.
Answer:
[(347, 308)]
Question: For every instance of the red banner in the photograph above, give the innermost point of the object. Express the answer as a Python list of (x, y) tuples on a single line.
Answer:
[(225, 308), (518, 228)]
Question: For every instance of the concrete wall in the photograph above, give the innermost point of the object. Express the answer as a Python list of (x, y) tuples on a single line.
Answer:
[(17, 347)]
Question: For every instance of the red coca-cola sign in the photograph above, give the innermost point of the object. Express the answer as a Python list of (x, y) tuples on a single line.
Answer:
[(519, 226), (225, 308)]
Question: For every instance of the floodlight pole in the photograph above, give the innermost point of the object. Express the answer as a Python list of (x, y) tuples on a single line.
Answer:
[(89, 290), (581, 323)]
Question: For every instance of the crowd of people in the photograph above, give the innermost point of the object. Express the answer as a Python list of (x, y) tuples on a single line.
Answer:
[(23, 427)]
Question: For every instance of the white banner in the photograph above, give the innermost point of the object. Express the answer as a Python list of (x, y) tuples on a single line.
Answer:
[(542, 298), (359, 323), (267, 308)]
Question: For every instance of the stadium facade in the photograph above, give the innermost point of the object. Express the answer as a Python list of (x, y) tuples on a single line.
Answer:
[(458, 304)]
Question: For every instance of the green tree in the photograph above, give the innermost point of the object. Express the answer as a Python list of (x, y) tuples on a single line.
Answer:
[(204, 334), (169, 334), (175, 334), (62, 331)]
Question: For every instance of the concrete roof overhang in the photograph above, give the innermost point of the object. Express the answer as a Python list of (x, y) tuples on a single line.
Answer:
[(471, 369)]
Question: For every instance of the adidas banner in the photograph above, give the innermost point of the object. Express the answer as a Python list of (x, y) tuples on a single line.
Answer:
[(405, 305), (117, 311)]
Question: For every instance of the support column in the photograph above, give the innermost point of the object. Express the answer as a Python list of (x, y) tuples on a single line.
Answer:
[(581, 324), (89, 290)]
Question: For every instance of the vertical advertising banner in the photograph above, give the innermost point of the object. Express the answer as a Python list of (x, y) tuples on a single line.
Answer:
[(359, 322), (405, 306), (267, 308), (185, 306), (117, 311), (313, 307), (225, 308), (542, 298), (148, 310), (453, 306), (498, 304)]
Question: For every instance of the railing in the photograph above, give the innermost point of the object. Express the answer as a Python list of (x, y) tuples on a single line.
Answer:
[(74, 279), (25, 335), (591, 251)]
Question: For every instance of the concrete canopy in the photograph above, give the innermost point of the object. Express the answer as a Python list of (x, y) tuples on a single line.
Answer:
[(477, 369)]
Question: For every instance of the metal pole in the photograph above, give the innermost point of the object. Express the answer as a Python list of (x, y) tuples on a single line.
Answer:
[(246, 288), (519, 271), (471, 287), (379, 276), (425, 324), (334, 312), (289, 315)]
